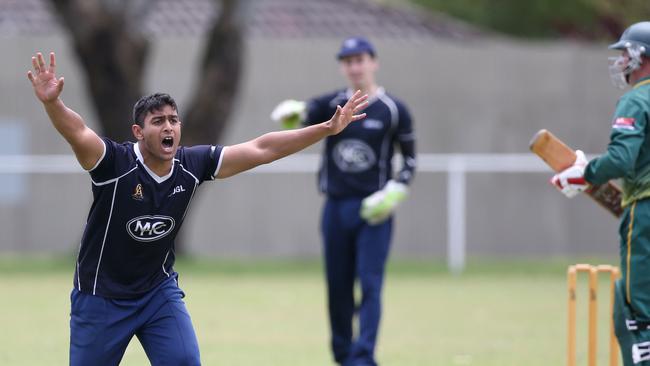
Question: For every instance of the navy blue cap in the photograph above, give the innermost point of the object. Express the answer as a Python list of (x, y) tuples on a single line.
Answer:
[(355, 46)]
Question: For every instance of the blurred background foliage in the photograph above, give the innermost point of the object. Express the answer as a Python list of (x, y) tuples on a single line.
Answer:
[(547, 19)]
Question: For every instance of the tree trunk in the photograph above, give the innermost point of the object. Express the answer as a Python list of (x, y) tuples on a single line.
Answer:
[(113, 53), (218, 82), (212, 101)]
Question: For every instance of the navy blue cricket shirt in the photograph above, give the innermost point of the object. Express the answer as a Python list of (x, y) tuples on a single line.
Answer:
[(358, 161), (127, 246)]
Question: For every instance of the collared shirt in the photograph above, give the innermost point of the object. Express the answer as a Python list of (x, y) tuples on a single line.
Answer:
[(127, 247), (358, 161)]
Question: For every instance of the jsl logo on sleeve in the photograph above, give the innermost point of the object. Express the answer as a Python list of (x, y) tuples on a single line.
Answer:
[(624, 123)]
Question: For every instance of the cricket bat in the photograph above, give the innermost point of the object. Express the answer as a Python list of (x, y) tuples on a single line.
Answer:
[(559, 156)]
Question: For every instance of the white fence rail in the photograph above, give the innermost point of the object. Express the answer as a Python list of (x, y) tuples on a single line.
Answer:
[(454, 165)]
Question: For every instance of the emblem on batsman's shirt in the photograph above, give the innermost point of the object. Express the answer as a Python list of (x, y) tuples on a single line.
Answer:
[(624, 123)]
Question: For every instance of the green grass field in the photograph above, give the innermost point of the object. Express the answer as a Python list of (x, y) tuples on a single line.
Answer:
[(273, 313)]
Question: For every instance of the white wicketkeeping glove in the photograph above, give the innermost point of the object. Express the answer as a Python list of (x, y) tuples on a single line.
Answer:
[(289, 113), (571, 181), (378, 207)]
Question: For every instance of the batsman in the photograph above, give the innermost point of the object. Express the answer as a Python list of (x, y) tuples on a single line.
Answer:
[(628, 158)]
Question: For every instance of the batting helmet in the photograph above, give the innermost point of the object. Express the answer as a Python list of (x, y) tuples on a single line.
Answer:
[(638, 35), (635, 41)]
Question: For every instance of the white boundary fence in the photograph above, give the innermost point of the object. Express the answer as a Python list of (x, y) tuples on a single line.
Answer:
[(454, 165)]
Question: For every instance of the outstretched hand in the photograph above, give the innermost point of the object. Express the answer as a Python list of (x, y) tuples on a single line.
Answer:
[(346, 114), (46, 86)]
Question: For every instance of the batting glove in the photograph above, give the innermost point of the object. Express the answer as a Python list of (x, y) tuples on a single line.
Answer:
[(378, 207), (289, 113), (571, 181)]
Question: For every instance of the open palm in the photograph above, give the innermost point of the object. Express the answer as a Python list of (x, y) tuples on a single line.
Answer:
[(46, 86), (346, 114)]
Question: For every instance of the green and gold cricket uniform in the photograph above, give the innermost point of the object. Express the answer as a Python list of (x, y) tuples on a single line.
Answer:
[(628, 158)]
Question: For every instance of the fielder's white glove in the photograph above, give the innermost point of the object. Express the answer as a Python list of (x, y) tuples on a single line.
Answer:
[(378, 207), (571, 181), (289, 113)]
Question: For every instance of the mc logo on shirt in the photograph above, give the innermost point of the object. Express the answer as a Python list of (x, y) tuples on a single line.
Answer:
[(353, 156), (149, 228)]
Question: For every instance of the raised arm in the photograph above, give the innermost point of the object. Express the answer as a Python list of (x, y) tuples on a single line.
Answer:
[(276, 145), (87, 146)]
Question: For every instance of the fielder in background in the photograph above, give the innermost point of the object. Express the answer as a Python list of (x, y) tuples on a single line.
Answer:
[(356, 175), (628, 158), (125, 284)]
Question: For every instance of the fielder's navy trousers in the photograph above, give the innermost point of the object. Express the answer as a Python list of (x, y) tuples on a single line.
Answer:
[(353, 250)]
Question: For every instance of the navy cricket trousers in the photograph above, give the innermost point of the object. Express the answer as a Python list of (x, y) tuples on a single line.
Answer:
[(101, 328), (353, 250)]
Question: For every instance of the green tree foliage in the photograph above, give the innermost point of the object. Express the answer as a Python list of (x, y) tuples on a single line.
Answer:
[(582, 19)]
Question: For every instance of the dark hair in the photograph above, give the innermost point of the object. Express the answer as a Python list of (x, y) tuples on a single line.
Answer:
[(149, 103)]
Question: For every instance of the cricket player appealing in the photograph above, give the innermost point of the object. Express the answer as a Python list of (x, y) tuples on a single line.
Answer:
[(628, 158), (356, 176), (124, 283)]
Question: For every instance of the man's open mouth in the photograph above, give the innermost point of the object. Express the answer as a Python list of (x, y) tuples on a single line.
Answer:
[(168, 142)]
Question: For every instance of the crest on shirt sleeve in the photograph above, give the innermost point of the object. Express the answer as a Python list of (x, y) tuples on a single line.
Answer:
[(624, 123)]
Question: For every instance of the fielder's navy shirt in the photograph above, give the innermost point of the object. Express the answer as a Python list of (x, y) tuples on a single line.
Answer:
[(358, 161), (127, 246)]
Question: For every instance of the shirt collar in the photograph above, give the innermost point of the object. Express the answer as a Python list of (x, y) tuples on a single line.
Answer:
[(153, 175), (371, 99), (641, 82)]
